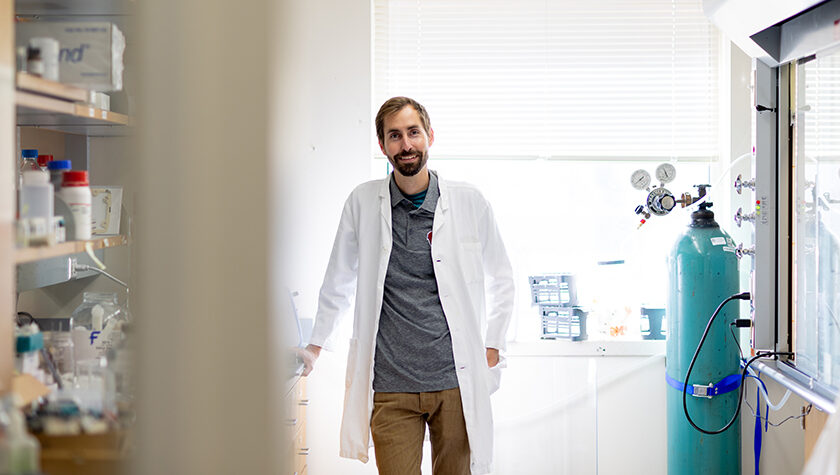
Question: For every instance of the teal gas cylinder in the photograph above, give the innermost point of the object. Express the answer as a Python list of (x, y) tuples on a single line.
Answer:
[(703, 273)]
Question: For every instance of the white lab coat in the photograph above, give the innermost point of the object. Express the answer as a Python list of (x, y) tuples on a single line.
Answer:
[(469, 258)]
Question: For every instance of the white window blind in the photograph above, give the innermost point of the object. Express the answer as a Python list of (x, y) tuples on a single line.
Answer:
[(607, 79)]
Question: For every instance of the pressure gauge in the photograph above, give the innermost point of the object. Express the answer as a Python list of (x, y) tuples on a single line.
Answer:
[(666, 173), (640, 179), (660, 201)]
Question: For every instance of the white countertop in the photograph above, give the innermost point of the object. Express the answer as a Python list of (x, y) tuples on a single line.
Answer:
[(616, 347)]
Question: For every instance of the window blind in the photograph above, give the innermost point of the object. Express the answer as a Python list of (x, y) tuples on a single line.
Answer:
[(608, 79)]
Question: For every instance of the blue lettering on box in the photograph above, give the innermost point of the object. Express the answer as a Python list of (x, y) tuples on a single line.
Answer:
[(93, 336), (73, 55)]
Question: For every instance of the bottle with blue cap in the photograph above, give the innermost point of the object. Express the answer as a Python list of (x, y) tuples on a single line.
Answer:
[(29, 161), (57, 169)]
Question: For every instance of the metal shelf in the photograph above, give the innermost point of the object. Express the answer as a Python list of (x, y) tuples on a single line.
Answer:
[(39, 267), (32, 254), (73, 8)]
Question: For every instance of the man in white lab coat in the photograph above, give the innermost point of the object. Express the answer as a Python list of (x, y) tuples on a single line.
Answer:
[(423, 256)]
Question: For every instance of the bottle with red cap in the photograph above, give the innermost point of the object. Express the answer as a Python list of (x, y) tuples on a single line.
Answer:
[(43, 160), (75, 192)]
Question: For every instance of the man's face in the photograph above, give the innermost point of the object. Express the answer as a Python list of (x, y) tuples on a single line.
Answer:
[(406, 143)]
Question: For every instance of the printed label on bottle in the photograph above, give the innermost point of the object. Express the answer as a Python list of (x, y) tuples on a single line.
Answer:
[(82, 209), (89, 344), (718, 241)]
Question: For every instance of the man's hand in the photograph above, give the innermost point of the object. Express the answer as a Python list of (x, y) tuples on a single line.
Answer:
[(492, 357), (308, 355)]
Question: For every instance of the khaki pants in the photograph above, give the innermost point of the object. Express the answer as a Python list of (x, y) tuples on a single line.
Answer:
[(398, 425)]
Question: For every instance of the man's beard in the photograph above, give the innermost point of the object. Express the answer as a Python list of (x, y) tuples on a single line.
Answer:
[(411, 168)]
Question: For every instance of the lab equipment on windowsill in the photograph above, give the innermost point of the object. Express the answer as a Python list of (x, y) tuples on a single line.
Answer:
[(652, 323), (556, 297), (614, 313)]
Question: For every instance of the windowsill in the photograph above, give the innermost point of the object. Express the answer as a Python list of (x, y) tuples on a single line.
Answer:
[(586, 348)]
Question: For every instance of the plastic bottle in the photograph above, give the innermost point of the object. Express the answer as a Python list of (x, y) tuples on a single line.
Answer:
[(57, 169), (75, 192), (19, 452), (36, 196), (29, 161), (49, 50), (97, 325), (43, 160), (34, 63)]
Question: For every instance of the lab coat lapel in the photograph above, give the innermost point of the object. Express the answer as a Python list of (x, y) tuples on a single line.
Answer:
[(385, 211), (441, 210)]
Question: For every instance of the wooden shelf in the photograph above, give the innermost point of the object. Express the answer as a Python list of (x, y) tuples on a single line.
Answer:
[(56, 106), (31, 254), (39, 85)]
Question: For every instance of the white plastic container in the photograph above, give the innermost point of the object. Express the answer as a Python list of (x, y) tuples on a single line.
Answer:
[(36, 196), (49, 55), (75, 192)]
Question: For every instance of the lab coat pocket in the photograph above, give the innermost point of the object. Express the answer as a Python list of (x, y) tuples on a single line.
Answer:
[(351, 361), (494, 376), (472, 262)]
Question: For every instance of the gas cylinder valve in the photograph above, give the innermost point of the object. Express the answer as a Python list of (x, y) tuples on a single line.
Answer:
[(660, 201), (740, 216), (742, 251), (740, 183)]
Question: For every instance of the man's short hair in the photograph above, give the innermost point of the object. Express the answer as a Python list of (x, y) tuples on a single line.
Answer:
[(394, 105)]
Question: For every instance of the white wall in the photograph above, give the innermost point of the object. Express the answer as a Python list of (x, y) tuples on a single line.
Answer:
[(321, 149)]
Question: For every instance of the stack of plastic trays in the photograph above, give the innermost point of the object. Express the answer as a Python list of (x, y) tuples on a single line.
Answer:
[(556, 296)]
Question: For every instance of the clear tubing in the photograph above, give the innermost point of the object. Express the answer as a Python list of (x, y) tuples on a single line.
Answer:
[(770, 405), (720, 179)]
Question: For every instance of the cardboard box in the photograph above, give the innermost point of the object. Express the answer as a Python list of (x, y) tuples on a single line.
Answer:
[(91, 53)]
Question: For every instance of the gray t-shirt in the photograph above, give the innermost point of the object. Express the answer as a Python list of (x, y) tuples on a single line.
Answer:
[(413, 345)]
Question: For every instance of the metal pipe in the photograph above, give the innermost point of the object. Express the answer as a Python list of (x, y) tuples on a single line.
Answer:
[(770, 369)]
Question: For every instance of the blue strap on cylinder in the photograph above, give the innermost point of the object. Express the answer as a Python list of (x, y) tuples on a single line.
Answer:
[(725, 385), (757, 435)]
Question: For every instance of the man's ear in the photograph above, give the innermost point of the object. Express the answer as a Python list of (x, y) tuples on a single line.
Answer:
[(382, 147), (431, 136)]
